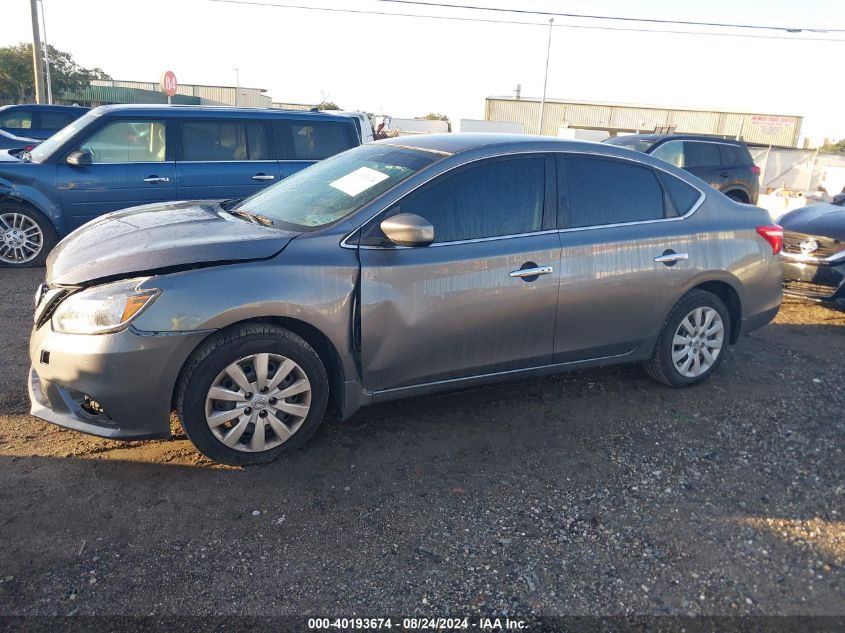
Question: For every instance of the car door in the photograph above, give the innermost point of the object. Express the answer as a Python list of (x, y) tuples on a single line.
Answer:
[(131, 164), (705, 161), (224, 158), (625, 251), (302, 142), (735, 172), (480, 299)]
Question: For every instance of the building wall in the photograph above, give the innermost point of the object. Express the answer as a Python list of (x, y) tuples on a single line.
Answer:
[(769, 129), (292, 106), (210, 95)]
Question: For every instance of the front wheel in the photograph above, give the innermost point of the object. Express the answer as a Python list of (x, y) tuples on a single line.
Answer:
[(251, 394), (26, 237), (692, 342)]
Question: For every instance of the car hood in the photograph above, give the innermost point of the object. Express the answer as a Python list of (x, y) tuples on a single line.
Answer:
[(824, 220), (154, 237)]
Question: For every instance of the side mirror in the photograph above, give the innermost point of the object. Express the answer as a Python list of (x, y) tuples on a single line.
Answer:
[(79, 158), (407, 229)]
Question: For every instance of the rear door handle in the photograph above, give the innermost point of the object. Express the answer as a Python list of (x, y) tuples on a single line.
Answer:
[(263, 177), (532, 272), (156, 179), (670, 257)]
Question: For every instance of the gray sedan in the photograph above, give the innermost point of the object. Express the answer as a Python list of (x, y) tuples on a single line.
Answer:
[(399, 268)]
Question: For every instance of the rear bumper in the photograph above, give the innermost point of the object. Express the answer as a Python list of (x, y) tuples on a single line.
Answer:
[(821, 283), (129, 375)]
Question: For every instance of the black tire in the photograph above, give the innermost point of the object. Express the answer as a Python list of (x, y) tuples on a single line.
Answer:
[(660, 365), (227, 347), (48, 232)]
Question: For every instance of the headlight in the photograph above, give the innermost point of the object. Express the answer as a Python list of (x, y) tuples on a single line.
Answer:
[(102, 309)]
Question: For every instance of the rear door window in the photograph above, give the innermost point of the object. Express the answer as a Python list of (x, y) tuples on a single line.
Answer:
[(698, 154), (312, 140), (16, 120), (53, 120), (731, 155), (598, 191), (210, 141), (682, 195)]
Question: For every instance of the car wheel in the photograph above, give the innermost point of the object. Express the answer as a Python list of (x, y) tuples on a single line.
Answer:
[(251, 394), (692, 342), (26, 237)]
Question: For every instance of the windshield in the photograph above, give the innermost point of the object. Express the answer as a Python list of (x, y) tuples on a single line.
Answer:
[(637, 144), (58, 139), (332, 189)]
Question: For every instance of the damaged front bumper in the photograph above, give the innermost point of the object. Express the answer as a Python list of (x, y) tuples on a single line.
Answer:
[(117, 385)]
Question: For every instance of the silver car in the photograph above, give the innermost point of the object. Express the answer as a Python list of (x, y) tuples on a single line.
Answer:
[(395, 269)]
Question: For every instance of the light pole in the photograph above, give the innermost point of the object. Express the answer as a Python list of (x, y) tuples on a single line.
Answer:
[(37, 60), (46, 53), (545, 79), (237, 87)]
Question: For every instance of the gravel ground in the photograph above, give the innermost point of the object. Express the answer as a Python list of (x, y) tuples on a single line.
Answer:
[(596, 492)]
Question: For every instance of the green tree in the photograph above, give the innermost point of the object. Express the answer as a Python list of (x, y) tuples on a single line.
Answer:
[(17, 83), (328, 105), (837, 147)]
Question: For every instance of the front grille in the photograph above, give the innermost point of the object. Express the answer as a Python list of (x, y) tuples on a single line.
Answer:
[(827, 246), (809, 288), (50, 299)]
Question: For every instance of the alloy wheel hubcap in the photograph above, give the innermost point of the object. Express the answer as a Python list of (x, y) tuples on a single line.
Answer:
[(698, 342), (21, 239), (258, 402)]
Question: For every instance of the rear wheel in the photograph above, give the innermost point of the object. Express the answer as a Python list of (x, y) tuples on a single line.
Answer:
[(252, 394), (692, 342), (26, 237)]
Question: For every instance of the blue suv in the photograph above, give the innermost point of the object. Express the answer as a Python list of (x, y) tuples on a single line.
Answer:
[(35, 121), (122, 156)]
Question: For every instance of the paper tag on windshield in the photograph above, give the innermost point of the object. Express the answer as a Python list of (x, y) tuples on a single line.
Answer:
[(359, 180)]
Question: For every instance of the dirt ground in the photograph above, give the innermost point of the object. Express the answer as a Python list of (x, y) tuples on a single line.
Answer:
[(596, 492)]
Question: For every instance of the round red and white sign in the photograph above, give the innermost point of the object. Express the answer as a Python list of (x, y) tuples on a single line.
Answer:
[(168, 83)]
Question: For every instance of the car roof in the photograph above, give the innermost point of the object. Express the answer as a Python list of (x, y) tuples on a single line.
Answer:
[(210, 111), (654, 138), (454, 143), (41, 106)]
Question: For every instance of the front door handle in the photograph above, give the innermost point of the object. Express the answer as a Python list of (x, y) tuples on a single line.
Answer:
[(532, 272), (156, 179), (263, 177), (670, 258)]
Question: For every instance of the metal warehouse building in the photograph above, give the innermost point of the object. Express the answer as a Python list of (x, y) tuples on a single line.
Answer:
[(615, 118), (102, 91)]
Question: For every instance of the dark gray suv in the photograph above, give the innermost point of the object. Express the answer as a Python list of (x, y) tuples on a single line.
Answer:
[(723, 164), (399, 268)]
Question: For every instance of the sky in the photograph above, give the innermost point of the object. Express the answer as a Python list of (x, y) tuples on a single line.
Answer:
[(410, 66)]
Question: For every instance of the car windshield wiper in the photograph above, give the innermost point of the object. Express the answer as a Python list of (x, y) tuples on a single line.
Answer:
[(255, 218)]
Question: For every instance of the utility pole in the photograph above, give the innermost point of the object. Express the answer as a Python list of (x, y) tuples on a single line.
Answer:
[(237, 87), (37, 58), (545, 79), (46, 53)]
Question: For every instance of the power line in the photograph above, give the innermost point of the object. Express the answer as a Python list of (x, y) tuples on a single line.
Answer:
[(788, 29), (522, 23)]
